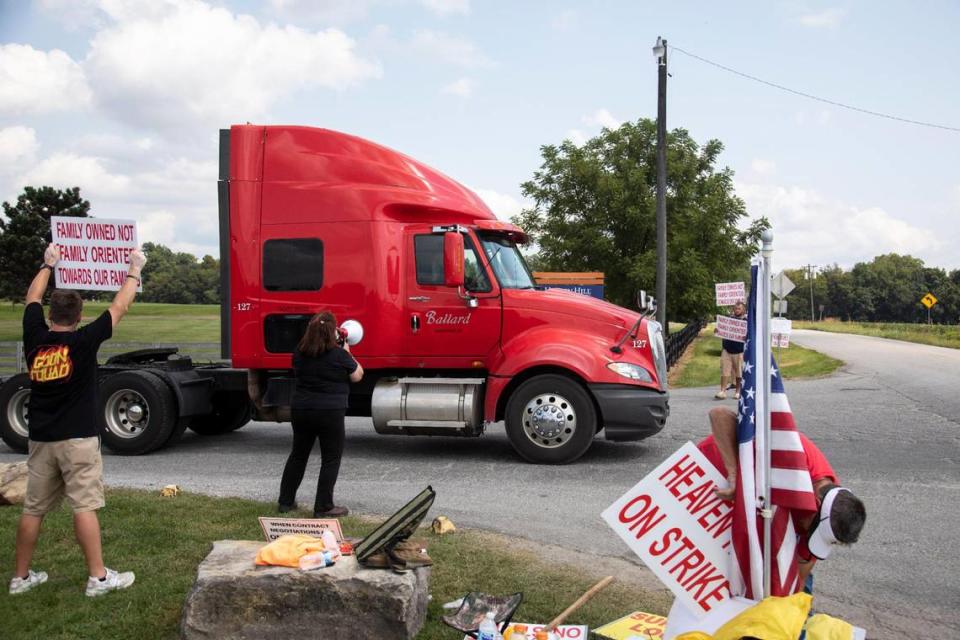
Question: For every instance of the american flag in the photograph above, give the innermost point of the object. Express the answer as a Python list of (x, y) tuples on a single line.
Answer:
[(791, 487)]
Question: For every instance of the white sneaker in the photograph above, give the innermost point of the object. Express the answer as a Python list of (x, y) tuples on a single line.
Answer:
[(720, 395), (736, 396), (22, 585), (113, 582)]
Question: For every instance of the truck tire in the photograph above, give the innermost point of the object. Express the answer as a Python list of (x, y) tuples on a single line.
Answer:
[(550, 419), (138, 412), (14, 412), (231, 410)]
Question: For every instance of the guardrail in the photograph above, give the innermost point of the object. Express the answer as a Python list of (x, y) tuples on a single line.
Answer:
[(13, 359), (678, 342)]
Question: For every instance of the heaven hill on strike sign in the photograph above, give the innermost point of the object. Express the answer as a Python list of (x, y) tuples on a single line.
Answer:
[(680, 529), (94, 253)]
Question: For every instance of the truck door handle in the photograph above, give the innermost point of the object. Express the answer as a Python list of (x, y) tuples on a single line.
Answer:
[(415, 323), (419, 298)]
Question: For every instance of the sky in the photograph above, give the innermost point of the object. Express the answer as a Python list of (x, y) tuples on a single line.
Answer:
[(124, 99)]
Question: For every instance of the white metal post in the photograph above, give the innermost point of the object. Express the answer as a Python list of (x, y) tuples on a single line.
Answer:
[(764, 357)]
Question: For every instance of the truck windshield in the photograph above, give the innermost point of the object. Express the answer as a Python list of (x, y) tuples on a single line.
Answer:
[(507, 263)]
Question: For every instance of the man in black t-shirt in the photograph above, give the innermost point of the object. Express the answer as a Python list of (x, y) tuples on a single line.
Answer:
[(731, 359), (64, 444)]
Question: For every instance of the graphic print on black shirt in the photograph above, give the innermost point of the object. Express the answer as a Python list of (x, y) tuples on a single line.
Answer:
[(63, 376)]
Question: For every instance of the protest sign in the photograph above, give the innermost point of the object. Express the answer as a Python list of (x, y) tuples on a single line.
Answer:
[(729, 293), (732, 328), (638, 624), (679, 528), (94, 252), (780, 329), (273, 528), (562, 632)]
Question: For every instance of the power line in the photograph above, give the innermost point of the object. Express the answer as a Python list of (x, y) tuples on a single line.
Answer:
[(813, 97)]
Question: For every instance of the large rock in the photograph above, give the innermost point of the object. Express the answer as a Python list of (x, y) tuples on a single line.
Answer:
[(232, 598), (13, 483)]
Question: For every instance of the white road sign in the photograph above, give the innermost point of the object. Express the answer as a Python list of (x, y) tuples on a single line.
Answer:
[(782, 285)]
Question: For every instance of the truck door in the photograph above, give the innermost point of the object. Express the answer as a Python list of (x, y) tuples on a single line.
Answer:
[(440, 322)]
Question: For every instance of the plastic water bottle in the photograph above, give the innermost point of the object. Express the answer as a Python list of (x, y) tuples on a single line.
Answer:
[(488, 628)]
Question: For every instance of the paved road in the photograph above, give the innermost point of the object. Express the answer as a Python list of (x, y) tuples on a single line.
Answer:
[(888, 423)]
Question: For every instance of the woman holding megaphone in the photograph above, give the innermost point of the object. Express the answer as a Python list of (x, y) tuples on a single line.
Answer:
[(324, 369)]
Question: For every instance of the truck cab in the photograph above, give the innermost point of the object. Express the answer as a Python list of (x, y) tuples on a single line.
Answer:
[(456, 333)]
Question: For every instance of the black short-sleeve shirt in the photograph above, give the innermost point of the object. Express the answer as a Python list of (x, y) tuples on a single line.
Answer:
[(63, 376), (323, 381)]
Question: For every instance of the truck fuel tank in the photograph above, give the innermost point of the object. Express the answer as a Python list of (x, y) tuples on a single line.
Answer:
[(428, 406)]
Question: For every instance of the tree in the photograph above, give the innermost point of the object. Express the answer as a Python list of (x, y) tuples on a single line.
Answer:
[(594, 210), (179, 278), (25, 233)]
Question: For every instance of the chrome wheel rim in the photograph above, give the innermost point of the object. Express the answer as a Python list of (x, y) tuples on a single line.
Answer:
[(18, 413), (126, 413), (549, 420)]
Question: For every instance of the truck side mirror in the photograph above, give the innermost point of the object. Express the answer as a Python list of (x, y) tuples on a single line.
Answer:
[(453, 269)]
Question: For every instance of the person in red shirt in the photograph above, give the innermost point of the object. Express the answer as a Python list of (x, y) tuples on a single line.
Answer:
[(840, 515)]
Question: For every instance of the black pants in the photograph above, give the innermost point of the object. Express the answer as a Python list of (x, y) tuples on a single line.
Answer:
[(325, 425)]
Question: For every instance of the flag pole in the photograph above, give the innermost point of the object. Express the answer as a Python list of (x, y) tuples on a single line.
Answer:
[(763, 332)]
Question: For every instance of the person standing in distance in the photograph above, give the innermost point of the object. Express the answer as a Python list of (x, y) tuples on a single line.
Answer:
[(731, 359), (324, 369), (64, 442)]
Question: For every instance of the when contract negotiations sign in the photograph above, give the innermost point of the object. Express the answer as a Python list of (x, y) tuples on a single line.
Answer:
[(675, 523), (94, 253)]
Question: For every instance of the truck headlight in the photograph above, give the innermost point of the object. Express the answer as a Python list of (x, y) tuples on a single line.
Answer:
[(632, 371)]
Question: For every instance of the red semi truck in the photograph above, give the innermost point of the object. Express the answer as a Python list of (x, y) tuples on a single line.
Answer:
[(457, 334)]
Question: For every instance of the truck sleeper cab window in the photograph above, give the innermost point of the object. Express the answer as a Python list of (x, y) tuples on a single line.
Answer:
[(293, 264), (428, 254)]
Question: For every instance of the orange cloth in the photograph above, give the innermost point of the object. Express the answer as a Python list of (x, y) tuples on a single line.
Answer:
[(286, 551)]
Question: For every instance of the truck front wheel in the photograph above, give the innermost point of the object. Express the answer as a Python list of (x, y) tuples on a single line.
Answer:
[(14, 412), (550, 419), (138, 414)]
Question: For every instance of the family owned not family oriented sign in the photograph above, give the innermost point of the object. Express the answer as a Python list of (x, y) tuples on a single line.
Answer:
[(94, 252)]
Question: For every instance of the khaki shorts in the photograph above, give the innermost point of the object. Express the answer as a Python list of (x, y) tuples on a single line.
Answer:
[(730, 364), (71, 468)]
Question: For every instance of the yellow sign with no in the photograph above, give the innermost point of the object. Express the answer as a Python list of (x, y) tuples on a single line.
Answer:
[(929, 300)]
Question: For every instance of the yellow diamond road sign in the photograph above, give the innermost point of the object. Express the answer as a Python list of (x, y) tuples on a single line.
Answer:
[(929, 300)]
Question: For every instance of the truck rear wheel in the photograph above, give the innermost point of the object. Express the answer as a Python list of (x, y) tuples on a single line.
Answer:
[(138, 412), (15, 412), (231, 410), (550, 419)]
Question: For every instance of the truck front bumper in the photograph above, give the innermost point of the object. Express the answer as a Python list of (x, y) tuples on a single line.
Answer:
[(629, 412)]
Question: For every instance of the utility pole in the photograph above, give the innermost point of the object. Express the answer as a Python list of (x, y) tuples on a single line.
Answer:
[(810, 268), (660, 52)]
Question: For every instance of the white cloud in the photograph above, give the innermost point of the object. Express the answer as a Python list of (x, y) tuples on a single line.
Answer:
[(577, 137), (601, 118), (325, 12), (503, 205), (18, 147), (34, 81), (565, 21), (462, 88), (826, 19), (63, 169), (450, 49), (763, 167), (809, 228), (184, 65), (447, 7)]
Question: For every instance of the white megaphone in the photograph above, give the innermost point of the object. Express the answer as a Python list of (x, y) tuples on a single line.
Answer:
[(353, 331)]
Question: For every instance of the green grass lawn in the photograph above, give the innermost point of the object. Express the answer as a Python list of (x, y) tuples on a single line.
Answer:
[(935, 334), (164, 539), (700, 366), (146, 322)]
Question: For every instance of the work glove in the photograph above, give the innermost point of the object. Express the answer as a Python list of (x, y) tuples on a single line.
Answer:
[(137, 259), (51, 256)]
